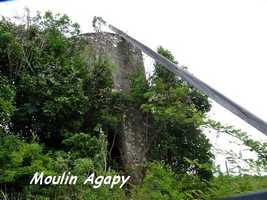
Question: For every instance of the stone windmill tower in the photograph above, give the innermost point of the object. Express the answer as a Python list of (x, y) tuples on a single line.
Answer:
[(128, 60)]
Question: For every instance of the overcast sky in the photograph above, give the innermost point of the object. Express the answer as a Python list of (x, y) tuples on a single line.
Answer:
[(222, 42)]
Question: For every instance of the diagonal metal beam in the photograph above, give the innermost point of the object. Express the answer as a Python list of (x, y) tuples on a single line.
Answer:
[(227, 103)]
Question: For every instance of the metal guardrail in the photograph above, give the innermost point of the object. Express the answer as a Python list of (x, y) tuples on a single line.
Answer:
[(251, 196)]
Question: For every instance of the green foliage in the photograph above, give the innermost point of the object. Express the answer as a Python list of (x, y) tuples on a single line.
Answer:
[(167, 77), (51, 95), (7, 101), (84, 145), (162, 183), (138, 87), (176, 112), (58, 113), (260, 148), (223, 186), (19, 160), (57, 90)]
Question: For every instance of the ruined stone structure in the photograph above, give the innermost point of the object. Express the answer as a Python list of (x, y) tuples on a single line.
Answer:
[(127, 60)]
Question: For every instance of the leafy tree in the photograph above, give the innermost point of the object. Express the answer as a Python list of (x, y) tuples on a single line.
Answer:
[(259, 147), (19, 161), (176, 112), (53, 104)]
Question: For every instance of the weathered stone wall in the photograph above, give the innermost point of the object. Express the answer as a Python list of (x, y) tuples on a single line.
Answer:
[(123, 55), (127, 60)]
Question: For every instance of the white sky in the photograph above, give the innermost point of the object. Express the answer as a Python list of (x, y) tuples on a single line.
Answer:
[(222, 42)]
